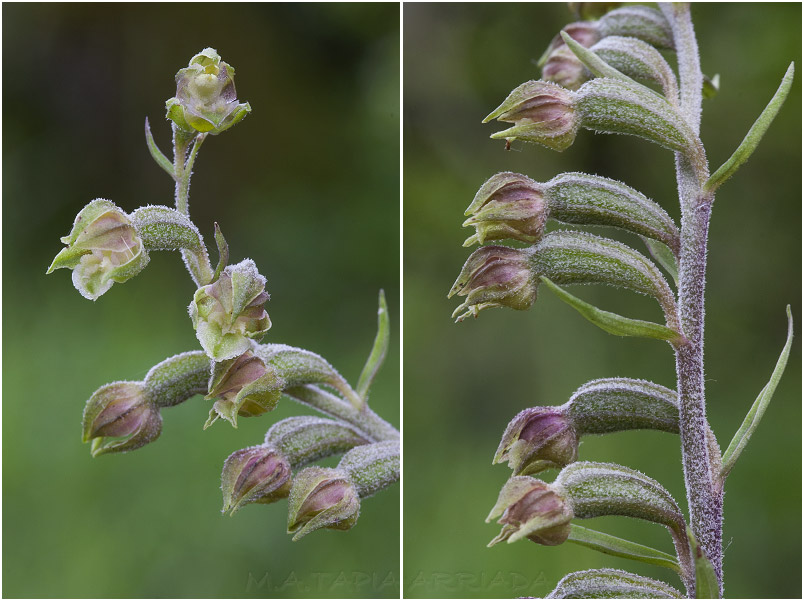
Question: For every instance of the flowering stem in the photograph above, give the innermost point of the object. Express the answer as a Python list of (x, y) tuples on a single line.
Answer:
[(704, 495), (201, 271)]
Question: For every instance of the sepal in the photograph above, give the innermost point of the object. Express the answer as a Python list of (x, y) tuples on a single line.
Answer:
[(372, 467), (321, 497), (258, 474), (611, 584), (119, 417), (230, 312), (103, 247), (530, 508)]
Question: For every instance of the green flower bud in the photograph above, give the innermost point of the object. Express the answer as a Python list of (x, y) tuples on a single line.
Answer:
[(119, 417), (611, 584), (257, 474), (206, 100), (530, 508), (494, 276), (229, 312), (537, 439), (244, 386), (321, 497), (641, 22), (508, 205), (542, 112), (103, 248)]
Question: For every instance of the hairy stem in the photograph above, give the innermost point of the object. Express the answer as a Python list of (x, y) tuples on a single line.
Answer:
[(200, 270), (703, 495), (364, 419)]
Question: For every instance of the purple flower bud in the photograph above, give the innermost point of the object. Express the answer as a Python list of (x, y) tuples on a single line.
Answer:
[(530, 508), (542, 112), (230, 311), (119, 417), (508, 205), (244, 386), (565, 69), (322, 498), (584, 32), (206, 100), (103, 248), (494, 276), (537, 439), (257, 474)]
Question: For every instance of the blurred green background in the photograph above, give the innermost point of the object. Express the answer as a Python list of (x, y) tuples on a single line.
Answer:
[(307, 186), (464, 382)]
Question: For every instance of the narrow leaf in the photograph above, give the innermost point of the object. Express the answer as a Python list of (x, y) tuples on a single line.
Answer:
[(157, 155), (619, 547), (706, 584), (754, 135), (757, 410), (223, 252), (664, 256), (611, 322), (378, 351)]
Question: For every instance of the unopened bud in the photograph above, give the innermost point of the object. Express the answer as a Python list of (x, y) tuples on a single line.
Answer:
[(119, 417), (322, 498), (494, 276), (565, 69), (244, 386), (537, 439), (542, 112), (508, 205), (530, 508), (206, 100), (229, 312), (103, 248), (257, 474)]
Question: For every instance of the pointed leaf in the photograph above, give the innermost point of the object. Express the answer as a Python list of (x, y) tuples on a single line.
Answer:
[(664, 256), (157, 155), (378, 351), (619, 547), (223, 252), (754, 135), (611, 322), (757, 410)]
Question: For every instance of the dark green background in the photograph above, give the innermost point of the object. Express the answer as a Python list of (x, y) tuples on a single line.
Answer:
[(464, 382), (307, 186)]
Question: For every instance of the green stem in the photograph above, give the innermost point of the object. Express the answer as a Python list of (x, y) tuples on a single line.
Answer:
[(364, 419)]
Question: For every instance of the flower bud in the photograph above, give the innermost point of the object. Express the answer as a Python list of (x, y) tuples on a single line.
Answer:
[(102, 248), (494, 276), (542, 112), (244, 386), (584, 32), (537, 439), (257, 474), (508, 205), (608, 583), (530, 508), (641, 22), (120, 417), (230, 311), (592, 10), (321, 498), (206, 100), (565, 69)]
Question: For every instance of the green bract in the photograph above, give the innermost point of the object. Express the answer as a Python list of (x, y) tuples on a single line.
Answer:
[(103, 247)]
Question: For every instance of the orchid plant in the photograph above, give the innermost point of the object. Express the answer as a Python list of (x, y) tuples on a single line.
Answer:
[(241, 377), (608, 73)]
